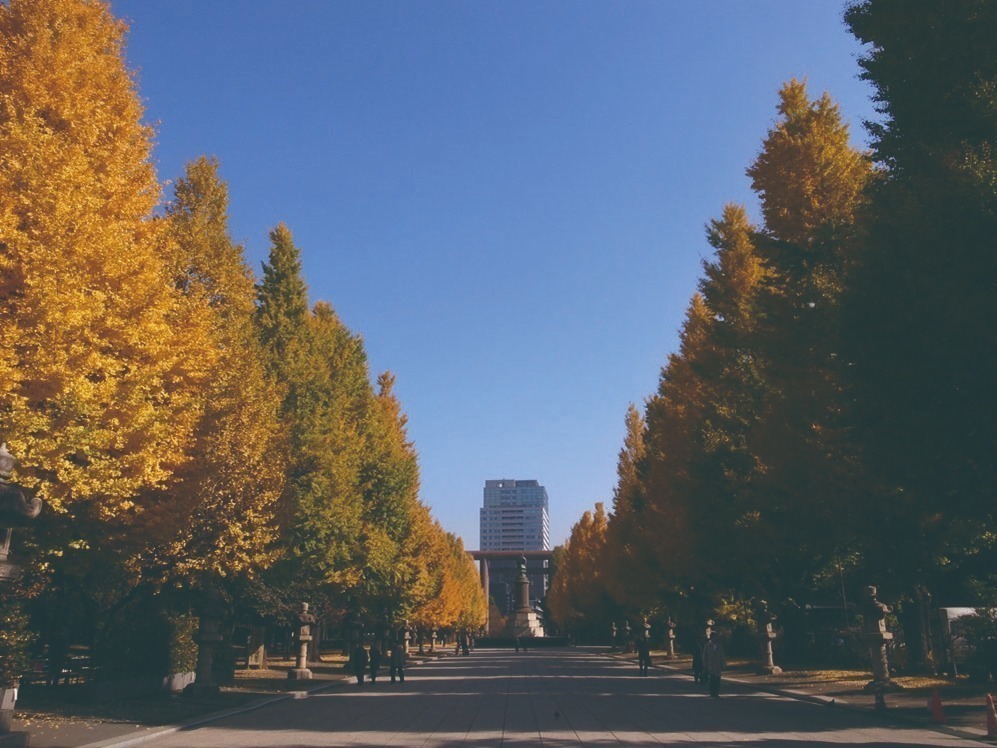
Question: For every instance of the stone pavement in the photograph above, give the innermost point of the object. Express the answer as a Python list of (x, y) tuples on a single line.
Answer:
[(566, 697)]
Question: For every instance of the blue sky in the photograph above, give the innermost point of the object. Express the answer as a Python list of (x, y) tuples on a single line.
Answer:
[(506, 199)]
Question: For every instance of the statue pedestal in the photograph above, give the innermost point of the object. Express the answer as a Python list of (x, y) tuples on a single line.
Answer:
[(768, 665), (524, 623), (881, 680)]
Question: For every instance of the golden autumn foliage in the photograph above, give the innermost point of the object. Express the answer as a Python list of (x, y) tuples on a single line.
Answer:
[(217, 514), (389, 481), (808, 174), (103, 359), (578, 596), (738, 466), (186, 427), (455, 597), (351, 520), (632, 572), (673, 416)]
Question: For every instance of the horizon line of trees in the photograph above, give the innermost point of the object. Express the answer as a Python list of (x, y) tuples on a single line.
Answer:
[(192, 430), (828, 421)]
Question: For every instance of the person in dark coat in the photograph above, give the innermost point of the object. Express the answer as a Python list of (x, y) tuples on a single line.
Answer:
[(358, 662), (375, 661), (714, 662), (398, 658), (643, 656), (697, 660)]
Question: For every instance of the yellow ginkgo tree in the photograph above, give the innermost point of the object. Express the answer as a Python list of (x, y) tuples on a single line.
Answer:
[(102, 357)]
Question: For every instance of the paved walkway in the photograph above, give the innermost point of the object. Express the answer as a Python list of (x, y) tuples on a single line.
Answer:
[(542, 698)]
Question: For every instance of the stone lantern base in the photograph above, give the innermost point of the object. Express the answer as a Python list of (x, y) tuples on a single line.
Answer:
[(299, 673), (8, 739), (196, 689), (886, 686)]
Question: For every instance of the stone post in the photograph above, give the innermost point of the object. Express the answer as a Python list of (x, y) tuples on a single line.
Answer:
[(432, 639), (8, 698), (670, 636), (406, 634), (765, 618), (612, 634), (305, 622), (876, 637), (420, 636), (628, 641), (207, 638), (257, 650)]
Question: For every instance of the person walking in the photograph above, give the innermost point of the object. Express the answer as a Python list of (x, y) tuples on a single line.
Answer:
[(375, 661), (643, 656), (697, 660), (714, 663), (398, 658), (358, 662)]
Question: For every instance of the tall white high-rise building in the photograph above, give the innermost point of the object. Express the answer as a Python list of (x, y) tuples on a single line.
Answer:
[(515, 516)]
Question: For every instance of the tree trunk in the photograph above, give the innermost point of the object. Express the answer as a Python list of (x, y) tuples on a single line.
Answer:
[(916, 622)]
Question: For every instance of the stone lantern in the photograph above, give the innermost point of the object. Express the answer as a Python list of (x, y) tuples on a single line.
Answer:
[(670, 624), (208, 638), (16, 510), (612, 634), (766, 634), (305, 622)]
